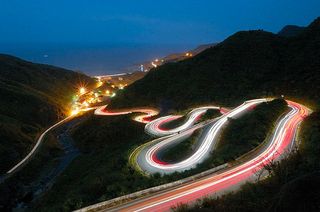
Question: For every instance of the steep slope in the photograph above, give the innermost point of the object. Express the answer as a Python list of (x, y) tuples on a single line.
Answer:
[(248, 64), (33, 96)]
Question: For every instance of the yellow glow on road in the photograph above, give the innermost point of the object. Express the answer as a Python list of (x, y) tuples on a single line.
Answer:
[(74, 112), (99, 84)]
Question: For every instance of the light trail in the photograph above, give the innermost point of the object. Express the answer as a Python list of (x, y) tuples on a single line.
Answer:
[(35, 147), (148, 113), (39, 141), (154, 127)]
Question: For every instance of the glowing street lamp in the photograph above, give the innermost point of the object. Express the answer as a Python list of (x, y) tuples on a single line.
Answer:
[(154, 65), (82, 90)]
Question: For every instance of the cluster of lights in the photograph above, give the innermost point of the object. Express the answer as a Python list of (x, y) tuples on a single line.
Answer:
[(84, 98)]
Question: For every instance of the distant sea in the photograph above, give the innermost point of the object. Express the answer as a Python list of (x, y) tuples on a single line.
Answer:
[(93, 59)]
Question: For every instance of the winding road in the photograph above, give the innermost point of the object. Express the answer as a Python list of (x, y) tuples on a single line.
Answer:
[(224, 180), (207, 143)]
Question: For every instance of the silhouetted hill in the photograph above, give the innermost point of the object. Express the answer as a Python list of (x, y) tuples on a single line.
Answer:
[(291, 31), (248, 64), (33, 96)]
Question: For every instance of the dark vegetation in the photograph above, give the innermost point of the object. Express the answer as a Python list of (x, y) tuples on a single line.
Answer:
[(174, 123), (33, 97), (293, 185), (16, 189), (21, 189), (181, 150), (210, 114), (248, 64)]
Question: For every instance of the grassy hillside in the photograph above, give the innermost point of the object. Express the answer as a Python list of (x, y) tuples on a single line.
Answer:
[(33, 96), (246, 65)]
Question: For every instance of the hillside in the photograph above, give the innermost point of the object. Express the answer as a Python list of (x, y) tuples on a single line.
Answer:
[(246, 65), (33, 96), (291, 31), (182, 56)]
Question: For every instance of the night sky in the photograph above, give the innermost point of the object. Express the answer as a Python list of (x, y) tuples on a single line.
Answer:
[(145, 21), (112, 36)]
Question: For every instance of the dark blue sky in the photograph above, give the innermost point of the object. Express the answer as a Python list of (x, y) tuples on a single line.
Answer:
[(145, 21)]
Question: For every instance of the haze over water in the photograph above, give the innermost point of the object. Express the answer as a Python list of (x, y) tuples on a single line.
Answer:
[(93, 59)]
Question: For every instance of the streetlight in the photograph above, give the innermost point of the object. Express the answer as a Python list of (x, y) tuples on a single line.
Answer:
[(82, 90)]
